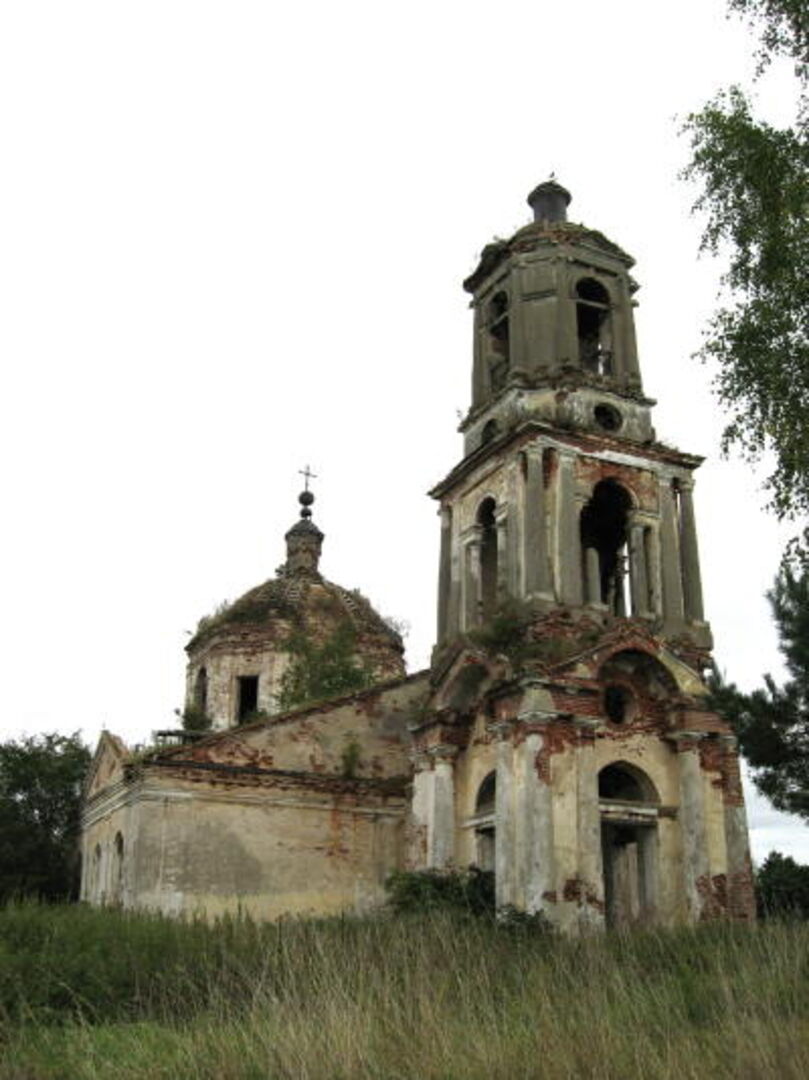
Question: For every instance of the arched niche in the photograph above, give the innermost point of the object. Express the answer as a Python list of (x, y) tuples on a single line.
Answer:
[(642, 675), (117, 879)]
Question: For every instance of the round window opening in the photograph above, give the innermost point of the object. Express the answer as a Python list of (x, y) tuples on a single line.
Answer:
[(617, 704), (608, 417)]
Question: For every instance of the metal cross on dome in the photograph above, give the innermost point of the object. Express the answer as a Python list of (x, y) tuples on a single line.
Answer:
[(307, 475)]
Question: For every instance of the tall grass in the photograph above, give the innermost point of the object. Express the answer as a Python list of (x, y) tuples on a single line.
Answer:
[(98, 994)]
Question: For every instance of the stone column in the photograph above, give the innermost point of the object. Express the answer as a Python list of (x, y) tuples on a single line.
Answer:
[(504, 839), (501, 523), (689, 551), (588, 817), (696, 868), (472, 581), (536, 816), (568, 534), (513, 559), (638, 579), (535, 551), (444, 573), (741, 898), (652, 545), (441, 823), (420, 808), (593, 566), (630, 361), (670, 555)]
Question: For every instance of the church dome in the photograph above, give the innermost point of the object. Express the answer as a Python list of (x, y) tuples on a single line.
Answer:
[(238, 655), (301, 602)]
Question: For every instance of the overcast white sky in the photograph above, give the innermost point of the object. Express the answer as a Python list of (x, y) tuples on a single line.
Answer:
[(233, 240)]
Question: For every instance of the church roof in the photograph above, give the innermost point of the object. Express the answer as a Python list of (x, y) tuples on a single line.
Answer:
[(534, 234), (299, 598), (549, 202)]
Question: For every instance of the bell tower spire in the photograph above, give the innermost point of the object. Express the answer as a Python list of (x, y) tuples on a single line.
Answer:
[(564, 498)]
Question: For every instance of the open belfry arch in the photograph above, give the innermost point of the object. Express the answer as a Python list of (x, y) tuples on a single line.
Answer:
[(561, 739), (567, 684)]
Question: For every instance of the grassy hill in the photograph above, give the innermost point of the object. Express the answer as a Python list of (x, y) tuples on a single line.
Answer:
[(89, 994)]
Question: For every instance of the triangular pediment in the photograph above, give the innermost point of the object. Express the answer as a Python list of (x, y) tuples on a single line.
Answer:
[(632, 636), (465, 679), (107, 766)]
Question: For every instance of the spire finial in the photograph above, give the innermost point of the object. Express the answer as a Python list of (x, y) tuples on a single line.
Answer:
[(306, 498), (549, 201)]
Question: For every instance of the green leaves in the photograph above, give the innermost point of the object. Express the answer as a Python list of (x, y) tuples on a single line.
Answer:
[(319, 671), (41, 781), (772, 723), (754, 182)]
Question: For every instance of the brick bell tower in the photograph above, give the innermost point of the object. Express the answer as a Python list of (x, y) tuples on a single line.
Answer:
[(568, 746)]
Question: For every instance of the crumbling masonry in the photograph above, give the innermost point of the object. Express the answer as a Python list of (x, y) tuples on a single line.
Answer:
[(561, 737)]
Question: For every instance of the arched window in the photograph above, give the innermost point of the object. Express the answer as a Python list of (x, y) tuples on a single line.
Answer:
[(594, 327), (201, 691), (604, 532), (484, 804), (488, 558), (497, 325), (117, 882), (484, 815), (95, 876), (624, 783)]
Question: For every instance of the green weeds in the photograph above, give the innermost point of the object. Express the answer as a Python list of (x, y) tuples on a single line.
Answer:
[(102, 995)]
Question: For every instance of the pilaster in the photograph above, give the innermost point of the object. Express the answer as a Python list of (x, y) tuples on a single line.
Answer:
[(588, 816), (444, 574), (568, 535), (696, 868), (741, 897), (535, 816), (472, 598), (535, 553), (441, 825), (504, 823)]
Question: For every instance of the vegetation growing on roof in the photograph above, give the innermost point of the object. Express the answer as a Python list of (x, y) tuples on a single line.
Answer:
[(319, 671), (195, 719), (512, 631)]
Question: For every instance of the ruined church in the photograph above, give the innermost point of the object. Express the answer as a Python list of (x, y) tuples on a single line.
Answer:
[(561, 737)]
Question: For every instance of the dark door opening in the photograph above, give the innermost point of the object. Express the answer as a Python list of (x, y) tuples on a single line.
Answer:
[(248, 696)]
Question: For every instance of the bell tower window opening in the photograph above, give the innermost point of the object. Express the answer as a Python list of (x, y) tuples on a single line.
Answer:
[(604, 530), (247, 702), (488, 558), (593, 327), (498, 328)]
